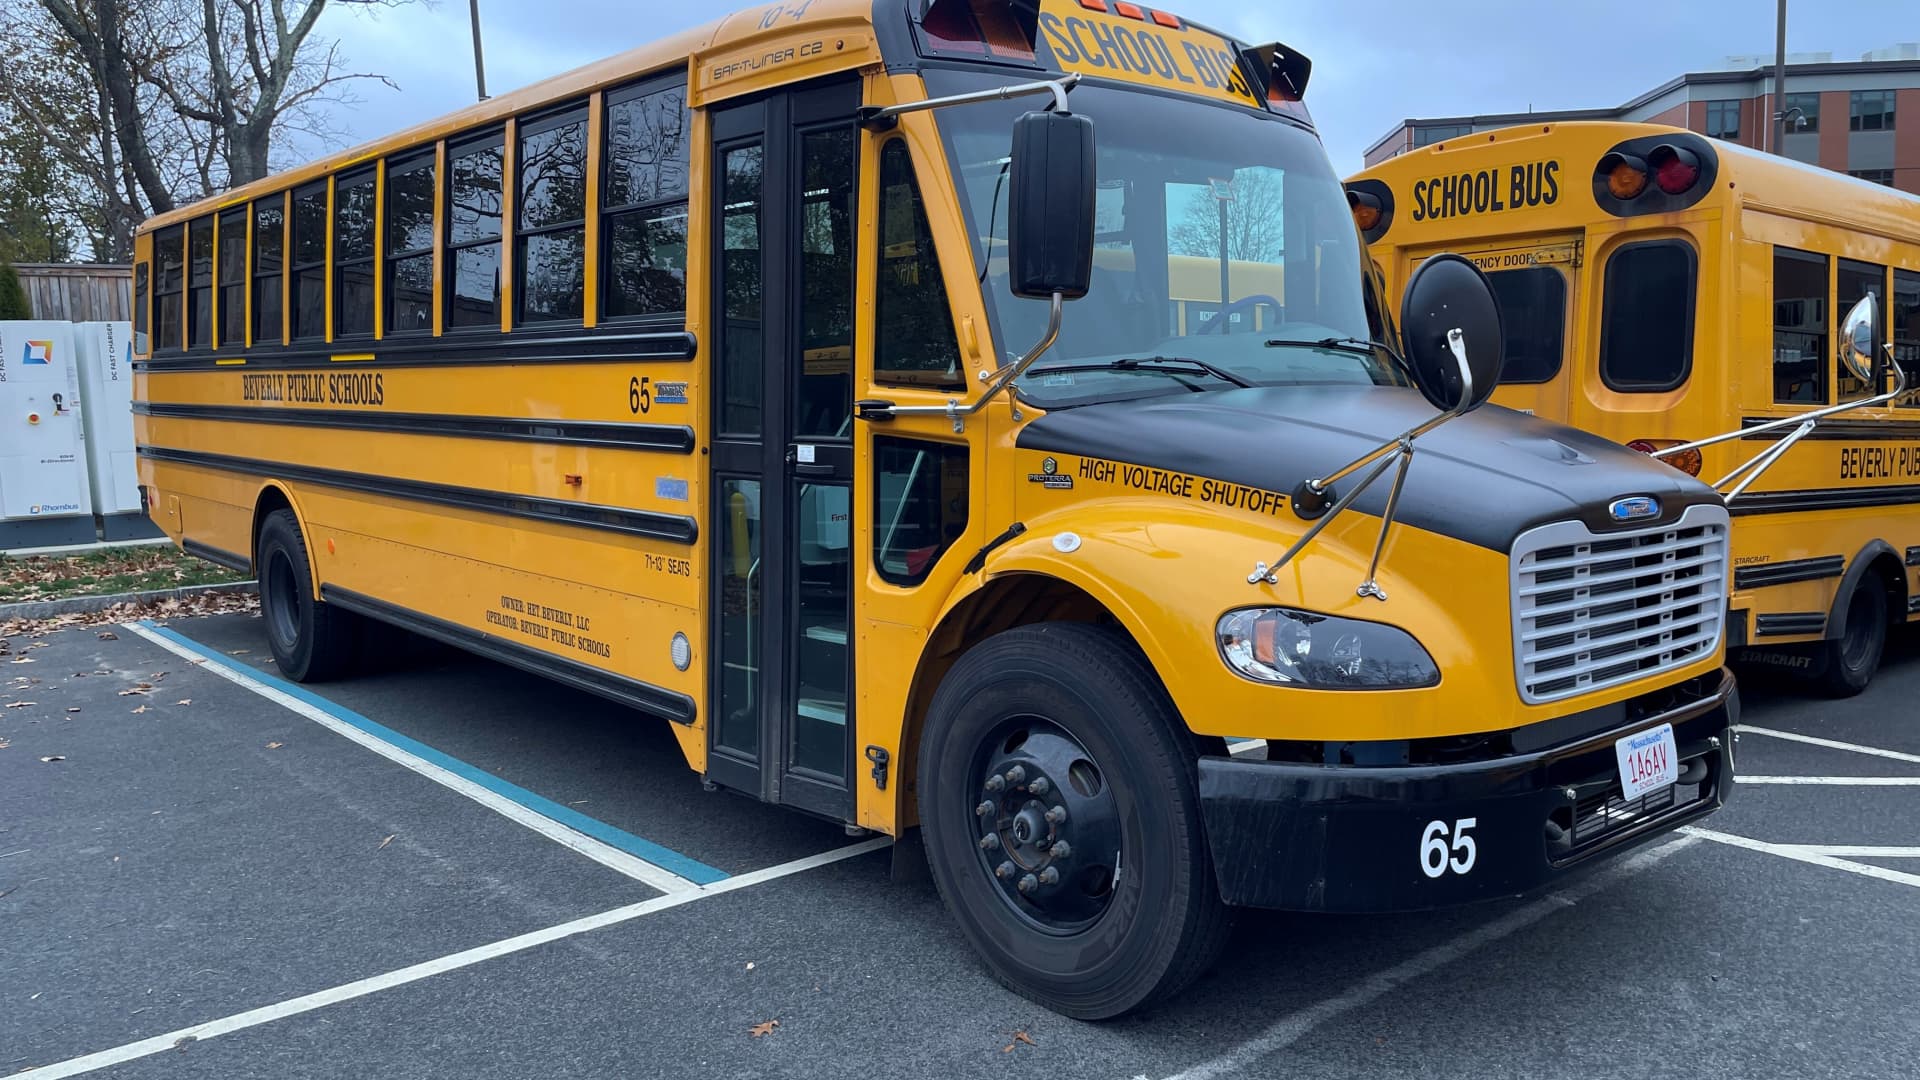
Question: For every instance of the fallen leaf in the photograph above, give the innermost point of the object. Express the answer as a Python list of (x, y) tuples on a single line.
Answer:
[(4, 744), (73, 708), (765, 1027), (38, 645), (749, 965), (22, 660), (20, 704), (54, 757), (239, 652), (108, 635), (131, 693), (139, 710), (275, 745), (385, 842), (1018, 1038), (184, 701)]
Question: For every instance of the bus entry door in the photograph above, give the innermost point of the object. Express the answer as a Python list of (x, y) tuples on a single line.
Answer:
[(1535, 284)]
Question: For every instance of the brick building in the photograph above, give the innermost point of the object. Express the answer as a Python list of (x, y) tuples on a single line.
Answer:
[(1859, 117)]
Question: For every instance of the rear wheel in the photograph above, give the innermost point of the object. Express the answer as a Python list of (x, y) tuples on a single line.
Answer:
[(311, 641), (1854, 656), (1061, 815)]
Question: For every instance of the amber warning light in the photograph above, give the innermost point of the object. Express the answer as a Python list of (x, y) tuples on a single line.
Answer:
[(1687, 461)]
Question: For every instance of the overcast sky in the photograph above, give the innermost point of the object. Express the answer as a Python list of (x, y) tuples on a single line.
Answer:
[(1374, 63)]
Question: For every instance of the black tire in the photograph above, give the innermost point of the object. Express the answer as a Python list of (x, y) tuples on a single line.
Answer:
[(311, 641), (1098, 949), (1854, 656)]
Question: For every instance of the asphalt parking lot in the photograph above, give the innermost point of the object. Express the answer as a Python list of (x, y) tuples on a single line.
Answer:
[(199, 878)]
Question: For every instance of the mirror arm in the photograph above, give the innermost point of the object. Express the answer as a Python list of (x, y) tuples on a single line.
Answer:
[(1900, 387), (881, 119), (1002, 379), (1309, 497), (1750, 470)]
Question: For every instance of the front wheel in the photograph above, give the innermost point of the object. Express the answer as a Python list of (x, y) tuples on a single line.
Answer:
[(1854, 656), (1061, 815)]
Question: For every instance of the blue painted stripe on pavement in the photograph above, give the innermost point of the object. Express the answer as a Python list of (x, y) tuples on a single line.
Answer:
[(665, 858)]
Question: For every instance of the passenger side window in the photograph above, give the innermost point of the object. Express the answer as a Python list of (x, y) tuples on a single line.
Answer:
[(200, 284), (1799, 327), (920, 496), (643, 216), (1646, 321), (409, 238), (233, 279), (550, 234), (169, 283), (914, 342), (1853, 280), (1905, 333), (475, 169), (141, 276), (269, 237), (353, 255), (308, 263), (1533, 320)]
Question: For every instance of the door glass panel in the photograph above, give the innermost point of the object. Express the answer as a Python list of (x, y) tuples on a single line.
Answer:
[(740, 381), (1533, 316), (823, 570), (823, 398), (737, 721)]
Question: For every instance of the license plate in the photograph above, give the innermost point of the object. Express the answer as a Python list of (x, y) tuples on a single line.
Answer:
[(1649, 761)]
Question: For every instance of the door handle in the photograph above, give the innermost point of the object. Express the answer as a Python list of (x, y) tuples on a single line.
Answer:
[(818, 468)]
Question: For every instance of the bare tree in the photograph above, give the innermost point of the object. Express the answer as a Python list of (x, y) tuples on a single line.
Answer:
[(1256, 221)]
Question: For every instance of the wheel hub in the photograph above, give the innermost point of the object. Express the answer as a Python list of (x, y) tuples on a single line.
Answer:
[(1048, 826)]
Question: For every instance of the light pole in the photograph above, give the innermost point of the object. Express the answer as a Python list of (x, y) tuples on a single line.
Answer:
[(480, 66), (1779, 82)]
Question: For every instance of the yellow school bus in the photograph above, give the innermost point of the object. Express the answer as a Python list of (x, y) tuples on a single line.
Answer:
[(1660, 288), (817, 382)]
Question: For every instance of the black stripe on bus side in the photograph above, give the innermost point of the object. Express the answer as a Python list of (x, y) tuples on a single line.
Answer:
[(1792, 502), (1850, 430), (519, 347), (217, 556), (1786, 573), (1913, 556), (670, 704), (671, 438), (1792, 622), (677, 528)]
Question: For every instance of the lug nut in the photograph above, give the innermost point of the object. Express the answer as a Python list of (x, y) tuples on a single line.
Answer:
[(1040, 786), (1016, 774), (983, 809), (1060, 850), (994, 783), (1029, 883), (1003, 871), (1056, 815), (989, 842), (1049, 876)]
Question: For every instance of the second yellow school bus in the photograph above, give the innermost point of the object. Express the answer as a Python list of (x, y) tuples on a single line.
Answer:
[(688, 379), (1657, 288)]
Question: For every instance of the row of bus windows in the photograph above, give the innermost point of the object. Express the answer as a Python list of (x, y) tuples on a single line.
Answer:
[(642, 216), (1647, 317)]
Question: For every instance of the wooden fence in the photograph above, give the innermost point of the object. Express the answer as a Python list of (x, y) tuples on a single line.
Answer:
[(78, 292)]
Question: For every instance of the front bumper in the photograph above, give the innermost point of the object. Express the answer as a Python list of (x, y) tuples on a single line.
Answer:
[(1308, 837)]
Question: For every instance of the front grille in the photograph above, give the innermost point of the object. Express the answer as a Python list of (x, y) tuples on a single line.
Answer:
[(1593, 610)]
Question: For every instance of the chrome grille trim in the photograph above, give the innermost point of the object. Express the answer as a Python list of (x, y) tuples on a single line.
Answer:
[(1593, 610)]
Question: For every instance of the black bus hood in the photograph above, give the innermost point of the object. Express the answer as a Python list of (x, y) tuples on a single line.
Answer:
[(1484, 478)]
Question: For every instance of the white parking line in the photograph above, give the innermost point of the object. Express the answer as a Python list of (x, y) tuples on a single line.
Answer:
[(1831, 781), (1804, 853), (1857, 851), (1295, 1026), (482, 788), (266, 1014), (1831, 744)]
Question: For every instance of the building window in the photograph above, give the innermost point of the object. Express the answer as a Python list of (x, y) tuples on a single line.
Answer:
[(473, 231), (200, 284), (308, 263), (169, 281), (269, 236), (914, 341), (1427, 136), (1870, 110), (1723, 120), (643, 206), (1533, 319), (1873, 176), (550, 234), (409, 239), (1803, 113), (1799, 327), (233, 279), (1646, 323)]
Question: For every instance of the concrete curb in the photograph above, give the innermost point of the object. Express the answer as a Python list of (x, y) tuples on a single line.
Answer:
[(86, 605), (82, 549)]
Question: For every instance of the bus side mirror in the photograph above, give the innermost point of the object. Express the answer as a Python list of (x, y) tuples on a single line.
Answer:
[(1450, 327), (1050, 204), (1859, 344)]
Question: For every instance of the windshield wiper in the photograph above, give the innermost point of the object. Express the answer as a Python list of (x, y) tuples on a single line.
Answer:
[(1166, 364), (1344, 344)]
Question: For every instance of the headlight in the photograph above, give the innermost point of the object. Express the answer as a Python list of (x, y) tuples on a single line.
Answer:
[(1322, 652)]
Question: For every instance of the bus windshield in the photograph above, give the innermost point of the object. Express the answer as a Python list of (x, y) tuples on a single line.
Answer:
[(1171, 172)]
